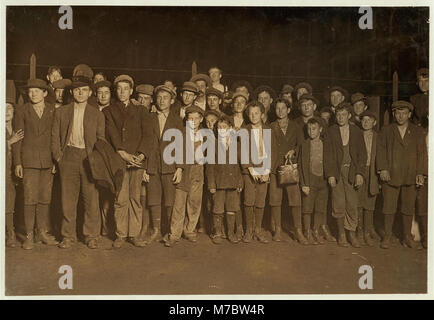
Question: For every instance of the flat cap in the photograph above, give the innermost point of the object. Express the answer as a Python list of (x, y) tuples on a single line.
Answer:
[(368, 113), (190, 86), (194, 108), (124, 78), (82, 70), (401, 104), (11, 92), (213, 112), (203, 77), (422, 72), (287, 88), (356, 97), (102, 83), (36, 83), (145, 89), (165, 88), (340, 89), (81, 81), (265, 88), (305, 85), (308, 96), (239, 94), (61, 84), (214, 91)]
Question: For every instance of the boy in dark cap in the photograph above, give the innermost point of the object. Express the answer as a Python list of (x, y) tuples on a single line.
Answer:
[(33, 161), (336, 95), (369, 190), (11, 138), (189, 93), (59, 90), (244, 87), (345, 169), (145, 94), (214, 99), (266, 95), (53, 74), (203, 82), (401, 152), (103, 94), (420, 100), (326, 114), (358, 101)]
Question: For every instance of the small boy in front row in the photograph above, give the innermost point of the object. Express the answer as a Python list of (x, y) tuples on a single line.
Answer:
[(225, 182), (345, 169), (312, 180)]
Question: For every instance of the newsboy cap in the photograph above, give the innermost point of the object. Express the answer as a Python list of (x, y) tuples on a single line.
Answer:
[(163, 87), (124, 78), (308, 96), (265, 88), (61, 84), (190, 86), (356, 97), (203, 77), (305, 85), (194, 108), (102, 83), (83, 70), (401, 104), (145, 89), (422, 72), (368, 113), (81, 81), (214, 91), (287, 88), (239, 94), (340, 89), (36, 83), (11, 92), (213, 112)]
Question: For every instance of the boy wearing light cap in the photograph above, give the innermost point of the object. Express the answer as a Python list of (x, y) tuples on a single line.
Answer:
[(214, 99), (401, 152), (145, 96), (189, 93)]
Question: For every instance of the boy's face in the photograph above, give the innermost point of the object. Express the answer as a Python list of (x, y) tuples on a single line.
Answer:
[(54, 76), (81, 94), (423, 84), (368, 123), (307, 108), (213, 102), (164, 100), (9, 112), (210, 120), (242, 89), (223, 125), (239, 104), (314, 130), (336, 98), (201, 84), (287, 97), (98, 77), (124, 91), (196, 118), (326, 116), (215, 74), (342, 117), (265, 98), (359, 107), (144, 99), (188, 97), (103, 96), (281, 110), (255, 115), (59, 95), (402, 116), (301, 91), (37, 95)]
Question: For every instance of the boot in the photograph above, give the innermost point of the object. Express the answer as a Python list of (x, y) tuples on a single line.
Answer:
[(310, 238), (239, 224), (230, 221), (259, 235), (156, 233), (360, 229), (156, 223), (388, 225), (326, 232), (277, 234), (44, 237), (342, 240), (318, 238), (248, 235), (408, 240), (217, 236), (307, 230), (28, 242), (300, 237), (11, 240), (318, 219), (368, 217), (354, 239)]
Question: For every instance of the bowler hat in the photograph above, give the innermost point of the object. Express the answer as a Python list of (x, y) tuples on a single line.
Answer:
[(401, 104), (61, 84), (190, 86), (81, 81), (265, 88), (36, 83), (124, 78), (165, 88), (11, 92), (215, 92), (201, 76), (145, 89), (83, 70), (194, 108)]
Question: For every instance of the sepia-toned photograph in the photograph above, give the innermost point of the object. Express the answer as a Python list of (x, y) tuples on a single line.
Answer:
[(215, 150)]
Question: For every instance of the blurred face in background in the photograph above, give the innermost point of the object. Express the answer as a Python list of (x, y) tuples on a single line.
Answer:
[(359, 107), (239, 104), (402, 115), (215, 74), (210, 120), (281, 110), (342, 117), (9, 112), (336, 97), (54, 76), (423, 84), (187, 97)]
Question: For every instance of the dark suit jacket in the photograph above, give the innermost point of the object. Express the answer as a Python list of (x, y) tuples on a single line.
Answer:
[(403, 158), (291, 140), (304, 160), (128, 128), (372, 175), (93, 125), (334, 155), (156, 163), (420, 114), (34, 151)]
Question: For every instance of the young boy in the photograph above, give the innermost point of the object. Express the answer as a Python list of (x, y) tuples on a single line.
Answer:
[(326, 114), (189, 190), (345, 164), (312, 180), (257, 176), (358, 100), (369, 190), (33, 161), (11, 138), (287, 140), (225, 183), (401, 152)]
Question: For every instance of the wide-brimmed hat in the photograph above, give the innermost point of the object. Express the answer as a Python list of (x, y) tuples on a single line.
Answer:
[(81, 81)]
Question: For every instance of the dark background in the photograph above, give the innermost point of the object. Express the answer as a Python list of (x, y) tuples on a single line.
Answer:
[(262, 45)]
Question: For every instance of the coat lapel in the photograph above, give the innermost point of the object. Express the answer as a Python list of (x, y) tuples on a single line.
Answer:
[(69, 120), (398, 135)]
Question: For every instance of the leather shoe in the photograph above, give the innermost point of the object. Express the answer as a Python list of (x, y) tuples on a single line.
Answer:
[(92, 244), (46, 238), (118, 243), (28, 243), (66, 243)]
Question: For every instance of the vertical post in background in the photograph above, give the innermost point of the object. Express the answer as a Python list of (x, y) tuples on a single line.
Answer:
[(395, 86), (193, 68), (32, 66), (387, 114)]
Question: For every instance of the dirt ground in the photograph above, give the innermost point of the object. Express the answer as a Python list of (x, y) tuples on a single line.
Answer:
[(205, 268)]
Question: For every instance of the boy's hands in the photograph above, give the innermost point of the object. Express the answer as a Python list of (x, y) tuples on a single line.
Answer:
[(53, 169), (359, 181), (145, 176), (332, 181), (177, 176), (420, 180), (290, 154), (385, 175), (16, 136), (253, 174), (19, 171), (306, 190), (239, 189)]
